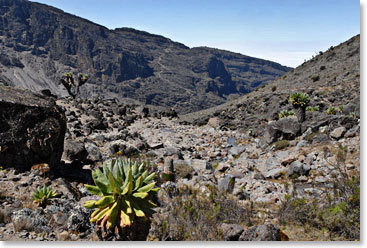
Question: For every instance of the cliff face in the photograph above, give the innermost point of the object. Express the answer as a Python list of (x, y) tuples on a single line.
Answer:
[(39, 43)]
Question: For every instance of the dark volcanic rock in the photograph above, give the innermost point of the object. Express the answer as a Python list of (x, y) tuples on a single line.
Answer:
[(287, 128), (74, 150), (32, 129)]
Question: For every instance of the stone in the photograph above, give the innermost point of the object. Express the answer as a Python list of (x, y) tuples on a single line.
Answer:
[(215, 122), (222, 167), (94, 154), (300, 144), (26, 219), (295, 167), (288, 160), (352, 132), (74, 150), (237, 150), (276, 173), (157, 145), (266, 232), (338, 132), (320, 138), (63, 236), (285, 128), (32, 129), (200, 165), (350, 166), (320, 179), (231, 232), (272, 162), (226, 183)]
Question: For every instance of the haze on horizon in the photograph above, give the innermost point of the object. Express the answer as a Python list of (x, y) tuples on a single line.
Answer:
[(284, 31)]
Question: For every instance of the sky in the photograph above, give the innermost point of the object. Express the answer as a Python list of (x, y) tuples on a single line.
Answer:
[(285, 31)]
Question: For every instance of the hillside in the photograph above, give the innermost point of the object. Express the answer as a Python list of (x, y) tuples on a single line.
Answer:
[(39, 43), (332, 79)]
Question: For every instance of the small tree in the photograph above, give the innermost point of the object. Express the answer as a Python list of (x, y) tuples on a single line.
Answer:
[(70, 85), (300, 101)]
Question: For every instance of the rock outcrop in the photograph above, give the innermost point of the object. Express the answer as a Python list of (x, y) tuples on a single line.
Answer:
[(32, 129)]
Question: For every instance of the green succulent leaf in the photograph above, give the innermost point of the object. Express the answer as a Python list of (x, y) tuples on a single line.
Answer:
[(111, 222), (149, 178), (147, 188), (90, 204), (138, 183), (93, 190), (141, 195), (104, 201), (102, 182), (100, 215)]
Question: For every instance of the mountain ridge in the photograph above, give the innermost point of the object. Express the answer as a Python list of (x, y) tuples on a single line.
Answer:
[(39, 43)]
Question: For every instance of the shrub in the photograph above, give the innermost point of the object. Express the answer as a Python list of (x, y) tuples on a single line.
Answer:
[(299, 99), (322, 68), (126, 189), (315, 78), (274, 88), (196, 215), (338, 212), (340, 108), (285, 113), (331, 111), (41, 196), (312, 109), (281, 144), (353, 115)]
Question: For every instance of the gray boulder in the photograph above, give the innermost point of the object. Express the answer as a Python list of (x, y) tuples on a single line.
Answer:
[(285, 128), (266, 232), (231, 232), (226, 183), (338, 132)]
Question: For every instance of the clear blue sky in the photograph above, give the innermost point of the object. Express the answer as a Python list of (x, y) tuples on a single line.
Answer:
[(284, 31)]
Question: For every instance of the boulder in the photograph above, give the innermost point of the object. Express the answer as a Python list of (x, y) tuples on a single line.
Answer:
[(231, 232), (215, 122), (285, 128), (237, 150), (32, 129), (338, 133), (226, 183), (298, 168), (266, 232), (201, 165), (74, 150)]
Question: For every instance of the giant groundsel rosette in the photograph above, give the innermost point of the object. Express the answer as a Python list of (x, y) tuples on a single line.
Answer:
[(126, 189)]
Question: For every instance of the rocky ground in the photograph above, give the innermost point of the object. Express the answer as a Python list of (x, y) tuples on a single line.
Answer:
[(237, 162)]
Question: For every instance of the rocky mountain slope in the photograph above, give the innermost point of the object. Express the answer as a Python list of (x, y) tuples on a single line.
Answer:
[(39, 43), (332, 79), (251, 185)]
